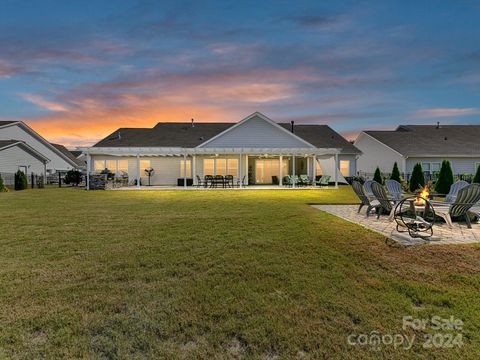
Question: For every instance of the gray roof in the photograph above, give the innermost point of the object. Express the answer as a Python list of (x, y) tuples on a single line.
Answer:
[(5, 122), (4, 143), (430, 140), (68, 154), (171, 134)]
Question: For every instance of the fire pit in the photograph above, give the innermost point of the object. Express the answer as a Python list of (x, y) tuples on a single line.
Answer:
[(415, 215)]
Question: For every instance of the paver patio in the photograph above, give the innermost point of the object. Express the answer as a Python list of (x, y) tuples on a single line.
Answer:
[(442, 234)]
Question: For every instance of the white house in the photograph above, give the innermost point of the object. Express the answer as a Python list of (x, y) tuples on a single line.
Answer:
[(17, 155), (255, 150), (20, 132), (425, 144)]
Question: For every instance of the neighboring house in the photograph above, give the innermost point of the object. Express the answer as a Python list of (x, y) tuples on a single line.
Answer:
[(19, 131), (255, 149), (17, 155), (75, 156), (424, 144)]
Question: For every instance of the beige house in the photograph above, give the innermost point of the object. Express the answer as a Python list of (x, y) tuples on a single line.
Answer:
[(254, 151)]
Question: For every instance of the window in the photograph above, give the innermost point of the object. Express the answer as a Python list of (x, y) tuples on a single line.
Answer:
[(232, 165), (431, 167), (122, 166), (111, 165), (208, 167), (144, 164), (99, 165), (221, 167), (189, 168), (345, 167)]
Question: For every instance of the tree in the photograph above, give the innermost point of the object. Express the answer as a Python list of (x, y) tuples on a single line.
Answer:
[(476, 179), (21, 182), (378, 176), (395, 173), (418, 178), (2, 186), (445, 178), (73, 177)]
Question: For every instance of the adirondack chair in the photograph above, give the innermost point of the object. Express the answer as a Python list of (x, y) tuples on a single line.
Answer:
[(324, 180), (465, 200), (452, 194), (365, 200), (386, 205), (368, 188), (395, 190)]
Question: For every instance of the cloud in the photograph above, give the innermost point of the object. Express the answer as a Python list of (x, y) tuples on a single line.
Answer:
[(444, 112), (7, 70), (42, 103), (313, 20)]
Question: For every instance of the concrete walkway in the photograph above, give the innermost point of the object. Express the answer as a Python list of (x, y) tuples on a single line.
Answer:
[(442, 234)]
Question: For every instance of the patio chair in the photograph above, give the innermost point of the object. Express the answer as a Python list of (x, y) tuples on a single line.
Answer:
[(295, 179), (305, 180), (243, 181), (395, 190), (287, 180), (200, 182), (368, 188), (467, 198), (218, 180), (228, 181), (365, 200), (386, 205), (208, 181), (324, 180)]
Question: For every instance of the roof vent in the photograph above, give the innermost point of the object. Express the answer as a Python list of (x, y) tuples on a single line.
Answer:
[(193, 125), (445, 138), (201, 138), (292, 123), (438, 124), (119, 136)]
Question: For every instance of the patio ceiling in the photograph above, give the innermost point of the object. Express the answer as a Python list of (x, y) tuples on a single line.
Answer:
[(176, 151)]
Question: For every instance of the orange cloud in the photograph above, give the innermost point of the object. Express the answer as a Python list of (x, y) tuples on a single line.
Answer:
[(445, 112)]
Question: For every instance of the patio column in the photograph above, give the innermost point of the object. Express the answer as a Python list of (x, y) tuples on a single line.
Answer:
[(138, 171), (336, 171), (194, 169), (314, 169), (246, 167), (89, 160), (293, 171), (280, 170), (240, 170), (185, 170)]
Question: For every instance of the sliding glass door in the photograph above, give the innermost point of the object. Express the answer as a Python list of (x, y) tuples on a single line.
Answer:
[(266, 168)]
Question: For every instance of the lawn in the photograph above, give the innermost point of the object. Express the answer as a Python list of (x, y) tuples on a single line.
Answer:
[(216, 274)]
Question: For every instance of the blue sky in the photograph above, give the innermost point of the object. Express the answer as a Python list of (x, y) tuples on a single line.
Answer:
[(77, 70)]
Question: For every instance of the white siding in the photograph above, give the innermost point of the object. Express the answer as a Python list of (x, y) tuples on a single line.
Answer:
[(460, 166), (257, 133), (15, 156), (15, 132), (376, 154), (353, 163)]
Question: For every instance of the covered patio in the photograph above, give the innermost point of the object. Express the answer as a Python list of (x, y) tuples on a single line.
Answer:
[(248, 166)]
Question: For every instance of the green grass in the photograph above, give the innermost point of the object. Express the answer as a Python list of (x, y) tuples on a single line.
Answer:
[(215, 274)]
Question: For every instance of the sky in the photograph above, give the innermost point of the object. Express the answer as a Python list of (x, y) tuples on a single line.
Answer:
[(77, 70)]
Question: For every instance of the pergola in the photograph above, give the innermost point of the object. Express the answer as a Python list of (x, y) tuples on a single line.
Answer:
[(315, 153)]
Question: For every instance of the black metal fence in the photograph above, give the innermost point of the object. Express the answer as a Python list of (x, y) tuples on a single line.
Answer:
[(34, 180)]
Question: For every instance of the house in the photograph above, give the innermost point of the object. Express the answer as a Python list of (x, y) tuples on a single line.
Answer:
[(17, 155), (21, 132), (425, 144), (76, 156), (255, 150)]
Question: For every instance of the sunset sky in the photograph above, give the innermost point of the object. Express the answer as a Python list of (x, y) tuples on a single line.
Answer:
[(77, 70)]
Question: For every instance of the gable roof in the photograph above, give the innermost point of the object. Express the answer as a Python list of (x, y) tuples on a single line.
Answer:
[(430, 140), (174, 134), (7, 122), (6, 144), (68, 154)]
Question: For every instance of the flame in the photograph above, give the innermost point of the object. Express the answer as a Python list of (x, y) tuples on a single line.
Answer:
[(423, 195)]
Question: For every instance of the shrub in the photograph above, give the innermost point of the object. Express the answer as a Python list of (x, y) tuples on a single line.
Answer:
[(445, 178), (21, 181), (73, 177), (418, 179), (476, 178), (395, 173), (2, 186), (378, 176)]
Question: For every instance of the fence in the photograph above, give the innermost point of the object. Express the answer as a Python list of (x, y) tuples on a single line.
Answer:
[(33, 180)]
